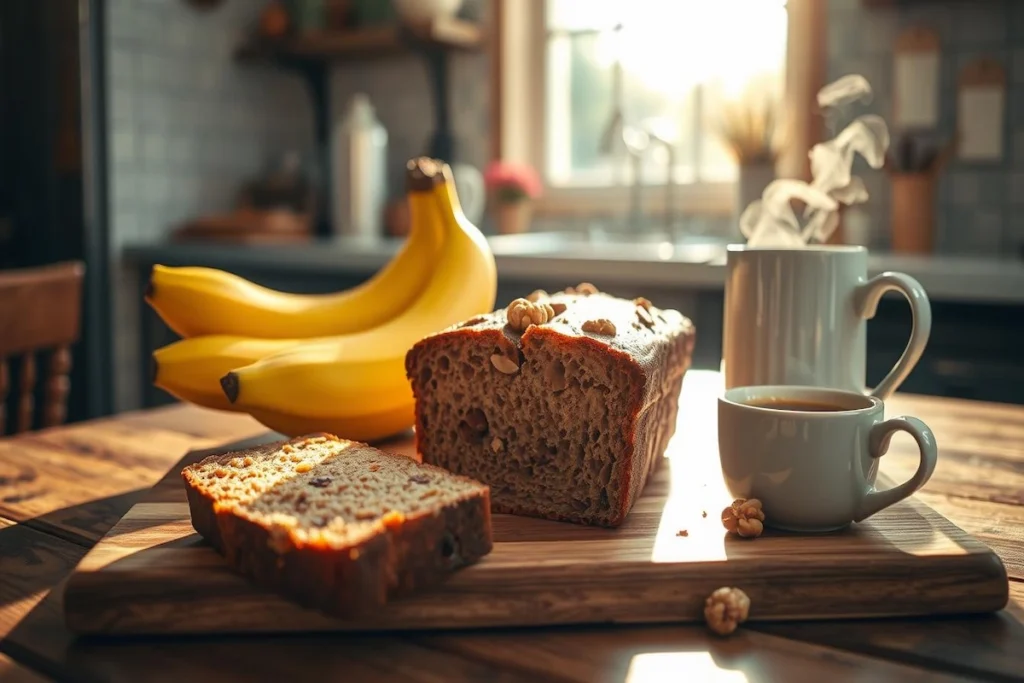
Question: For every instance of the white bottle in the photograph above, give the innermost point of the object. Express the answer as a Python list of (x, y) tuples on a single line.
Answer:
[(359, 168)]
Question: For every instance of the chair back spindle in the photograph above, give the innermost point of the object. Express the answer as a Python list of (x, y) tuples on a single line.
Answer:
[(40, 314)]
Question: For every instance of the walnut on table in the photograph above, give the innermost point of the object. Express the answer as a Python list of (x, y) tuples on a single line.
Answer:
[(725, 609), (744, 518)]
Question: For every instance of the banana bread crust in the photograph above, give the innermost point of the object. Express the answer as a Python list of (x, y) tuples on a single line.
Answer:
[(646, 352), (419, 552)]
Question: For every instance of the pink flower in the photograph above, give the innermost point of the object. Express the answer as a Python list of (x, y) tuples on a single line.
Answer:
[(512, 181)]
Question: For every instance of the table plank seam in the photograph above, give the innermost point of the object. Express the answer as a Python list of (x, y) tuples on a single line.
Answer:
[(519, 668), (54, 531), (900, 656), (38, 664), (25, 668)]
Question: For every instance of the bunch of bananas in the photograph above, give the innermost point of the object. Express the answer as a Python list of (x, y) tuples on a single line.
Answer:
[(301, 363)]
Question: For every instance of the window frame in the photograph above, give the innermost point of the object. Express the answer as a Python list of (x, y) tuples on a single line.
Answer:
[(519, 58)]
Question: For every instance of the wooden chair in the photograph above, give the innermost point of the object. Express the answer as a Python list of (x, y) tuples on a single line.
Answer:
[(40, 311)]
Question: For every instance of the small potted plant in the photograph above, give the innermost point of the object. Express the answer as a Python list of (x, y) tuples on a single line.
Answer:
[(511, 187)]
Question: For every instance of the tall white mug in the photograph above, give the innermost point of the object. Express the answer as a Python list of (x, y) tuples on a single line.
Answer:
[(799, 317)]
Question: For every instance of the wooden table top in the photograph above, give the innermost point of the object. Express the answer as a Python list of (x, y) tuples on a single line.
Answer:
[(62, 489)]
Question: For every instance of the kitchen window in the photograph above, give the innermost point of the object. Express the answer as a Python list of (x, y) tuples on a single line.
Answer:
[(603, 90)]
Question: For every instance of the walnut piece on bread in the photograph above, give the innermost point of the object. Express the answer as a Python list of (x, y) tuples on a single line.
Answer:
[(522, 313), (600, 326)]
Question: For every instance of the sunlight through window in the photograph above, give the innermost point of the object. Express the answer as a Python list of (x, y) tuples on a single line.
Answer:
[(653, 74)]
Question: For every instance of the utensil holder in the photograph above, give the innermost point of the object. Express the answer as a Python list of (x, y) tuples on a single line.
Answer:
[(912, 213), (750, 185)]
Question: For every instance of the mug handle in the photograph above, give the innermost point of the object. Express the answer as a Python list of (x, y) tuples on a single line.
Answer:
[(878, 444), (866, 300)]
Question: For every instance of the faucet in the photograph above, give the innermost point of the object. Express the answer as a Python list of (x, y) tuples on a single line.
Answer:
[(637, 141), (670, 166)]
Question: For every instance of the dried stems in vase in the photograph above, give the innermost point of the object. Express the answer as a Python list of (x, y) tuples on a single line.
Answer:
[(750, 129)]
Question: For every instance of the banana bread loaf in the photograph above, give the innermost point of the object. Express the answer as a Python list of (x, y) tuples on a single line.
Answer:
[(563, 404), (337, 525)]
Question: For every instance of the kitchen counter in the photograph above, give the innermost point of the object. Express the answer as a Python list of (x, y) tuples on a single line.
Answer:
[(973, 350), (648, 264)]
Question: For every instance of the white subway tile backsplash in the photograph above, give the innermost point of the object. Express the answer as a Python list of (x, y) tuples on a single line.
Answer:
[(123, 144), (148, 73), (125, 194), (966, 188), (152, 110), (154, 149), (923, 15), (1015, 187), (1017, 139), (1013, 239), (121, 66), (977, 25), (206, 78), (178, 35), (974, 231), (179, 151), (876, 31), (122, 106), (1016, 70), (840, 39), (174, 88), (973, 201), (987, 233), (877, 185)]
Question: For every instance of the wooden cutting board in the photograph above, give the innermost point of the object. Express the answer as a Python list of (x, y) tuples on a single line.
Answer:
[(152, 574)]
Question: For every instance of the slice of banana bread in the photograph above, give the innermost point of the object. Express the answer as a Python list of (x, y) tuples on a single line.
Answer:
[(562, 404), (335, 524)]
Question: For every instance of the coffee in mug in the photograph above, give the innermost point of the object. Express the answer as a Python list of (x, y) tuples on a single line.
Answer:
[(798, 316), (777, 403), (810, 455)]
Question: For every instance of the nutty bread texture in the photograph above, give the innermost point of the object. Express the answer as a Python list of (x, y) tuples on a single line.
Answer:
[(337, 525), (563, 404)]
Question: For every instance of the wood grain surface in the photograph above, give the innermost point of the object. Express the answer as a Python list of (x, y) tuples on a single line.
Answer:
[(42, 541), (153, 574), (12, 672)]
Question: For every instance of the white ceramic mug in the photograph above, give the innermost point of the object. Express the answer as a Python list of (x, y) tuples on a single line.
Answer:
[(813, 470), (799, 317)]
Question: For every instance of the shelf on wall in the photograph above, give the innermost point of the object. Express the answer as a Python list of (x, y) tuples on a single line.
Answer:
[(313, 53), (369, 42)]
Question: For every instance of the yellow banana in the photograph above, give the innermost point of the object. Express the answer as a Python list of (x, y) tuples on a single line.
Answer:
[(368, 427), (317, 378), (199, 398), (193, 368), (196, 301)]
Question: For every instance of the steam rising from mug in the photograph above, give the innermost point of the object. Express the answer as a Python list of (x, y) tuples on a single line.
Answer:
[(771, 221)]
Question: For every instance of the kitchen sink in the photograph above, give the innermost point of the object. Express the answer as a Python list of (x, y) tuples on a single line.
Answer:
[(647, 246)]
